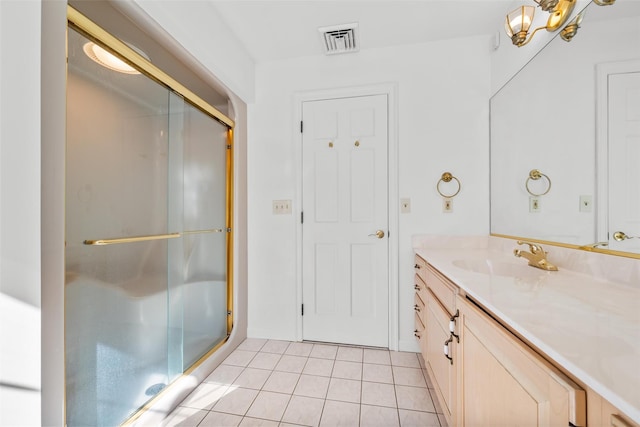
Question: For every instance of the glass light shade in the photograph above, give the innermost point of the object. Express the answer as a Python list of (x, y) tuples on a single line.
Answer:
[(519, 20), (107, 59)]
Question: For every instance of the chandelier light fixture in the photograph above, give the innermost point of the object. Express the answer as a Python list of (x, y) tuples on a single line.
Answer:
[(518, 21)]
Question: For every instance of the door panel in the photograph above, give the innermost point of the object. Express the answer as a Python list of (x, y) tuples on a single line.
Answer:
[(345, 265), (624, 157)]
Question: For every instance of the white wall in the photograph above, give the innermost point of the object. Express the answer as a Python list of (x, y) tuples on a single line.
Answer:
[(443, 92), (20, 213), (199, 28)]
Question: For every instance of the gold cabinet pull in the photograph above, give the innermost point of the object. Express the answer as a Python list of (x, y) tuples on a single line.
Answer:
[(357, 144)]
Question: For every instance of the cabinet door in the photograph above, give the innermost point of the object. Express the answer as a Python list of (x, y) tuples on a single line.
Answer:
[(505, 383), (442, 370)]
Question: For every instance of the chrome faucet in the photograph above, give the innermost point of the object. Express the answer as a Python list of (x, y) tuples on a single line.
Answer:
[(536, 256)]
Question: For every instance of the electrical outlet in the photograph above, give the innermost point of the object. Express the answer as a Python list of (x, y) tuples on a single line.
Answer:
[(534, 204), (447, 205), (405, 205), (282, 207), (586, 203)]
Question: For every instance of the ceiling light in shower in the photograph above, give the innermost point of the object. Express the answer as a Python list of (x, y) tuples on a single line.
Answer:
[(107, 59)]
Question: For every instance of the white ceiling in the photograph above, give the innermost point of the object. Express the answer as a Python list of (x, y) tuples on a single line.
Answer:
[(272, 30)]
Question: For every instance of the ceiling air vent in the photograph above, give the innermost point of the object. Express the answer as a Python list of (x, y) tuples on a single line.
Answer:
[(340, 38)]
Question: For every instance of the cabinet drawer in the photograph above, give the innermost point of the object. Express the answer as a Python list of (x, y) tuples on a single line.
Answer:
[(421, 267), (442, 289), (418, 304), (420, 287)]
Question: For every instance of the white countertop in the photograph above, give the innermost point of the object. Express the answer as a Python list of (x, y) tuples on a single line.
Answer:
[(590, 327)]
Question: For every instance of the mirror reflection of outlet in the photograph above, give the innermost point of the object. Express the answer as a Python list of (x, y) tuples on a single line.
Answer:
[(534, 204), (282, 207), (405, 205), (447, 205)]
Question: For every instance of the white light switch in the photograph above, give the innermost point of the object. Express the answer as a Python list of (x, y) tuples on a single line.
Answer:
[(282, 207), (405, 205)]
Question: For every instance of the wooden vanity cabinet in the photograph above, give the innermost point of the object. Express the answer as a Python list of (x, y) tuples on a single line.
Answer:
[(503, 382), (488, 376), (439, 344)]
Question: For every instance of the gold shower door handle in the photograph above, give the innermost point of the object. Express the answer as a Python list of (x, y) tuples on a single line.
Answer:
[(379, 234)]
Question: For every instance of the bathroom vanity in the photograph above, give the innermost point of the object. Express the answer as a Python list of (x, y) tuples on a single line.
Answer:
[(508, 344)]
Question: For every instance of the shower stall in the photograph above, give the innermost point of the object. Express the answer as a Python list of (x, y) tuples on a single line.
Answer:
[(148, 230)]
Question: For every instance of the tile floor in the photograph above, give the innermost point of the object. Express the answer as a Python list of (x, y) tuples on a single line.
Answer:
[(281, 383)]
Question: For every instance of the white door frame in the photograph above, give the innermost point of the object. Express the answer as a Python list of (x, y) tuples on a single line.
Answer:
[(389, 89), (602, 140)]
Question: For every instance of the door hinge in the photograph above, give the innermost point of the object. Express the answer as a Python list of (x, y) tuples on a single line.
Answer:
[(302, 309), (301, 217), (301, 126), (228, 146)]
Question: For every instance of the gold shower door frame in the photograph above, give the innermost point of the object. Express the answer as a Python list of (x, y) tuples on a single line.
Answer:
[(91, 30)]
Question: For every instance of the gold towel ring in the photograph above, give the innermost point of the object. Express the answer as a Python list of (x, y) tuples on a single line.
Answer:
[(535, 175), (447, 177)]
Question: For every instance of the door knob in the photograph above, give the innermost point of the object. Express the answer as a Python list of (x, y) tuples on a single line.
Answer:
[(379, 234)]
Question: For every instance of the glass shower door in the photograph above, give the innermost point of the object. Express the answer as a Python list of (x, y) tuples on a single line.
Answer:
[(146, 239)]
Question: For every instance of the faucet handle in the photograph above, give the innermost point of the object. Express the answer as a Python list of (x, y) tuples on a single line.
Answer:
[(533, 247)]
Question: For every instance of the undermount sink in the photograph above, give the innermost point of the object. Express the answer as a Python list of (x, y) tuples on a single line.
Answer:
[(498, 268)]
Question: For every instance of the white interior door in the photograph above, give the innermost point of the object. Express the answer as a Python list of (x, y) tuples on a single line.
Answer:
[(345, 203), (624, 159)]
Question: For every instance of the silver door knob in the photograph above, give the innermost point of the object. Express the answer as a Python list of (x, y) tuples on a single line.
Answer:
[(379, 234)]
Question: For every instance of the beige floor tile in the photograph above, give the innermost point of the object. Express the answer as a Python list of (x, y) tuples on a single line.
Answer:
[(322, 367), (299, 349), (344, 390), (252, 344), (265, 361), (282, 382), (252, 378), (184, 417), (408, 376), (323, 351), (275, 346), (350, 354), (418, 419), (379, 394), (406, 359), (379, 357), (312, 386), (236, 401), (269, 406), (348, 370), (304, 411), (414, 398), (377, 373), (376, 416), (219, 419), (205, 396), (337, 414), (239, 358), (224, 374), (291, 364), (255, 422)]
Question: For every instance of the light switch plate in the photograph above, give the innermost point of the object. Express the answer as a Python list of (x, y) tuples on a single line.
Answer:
[(534, 204), (405, 205), (447, 205), (282, 207)]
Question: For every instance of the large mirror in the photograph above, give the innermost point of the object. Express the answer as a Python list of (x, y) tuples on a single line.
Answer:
[(565, 138)]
